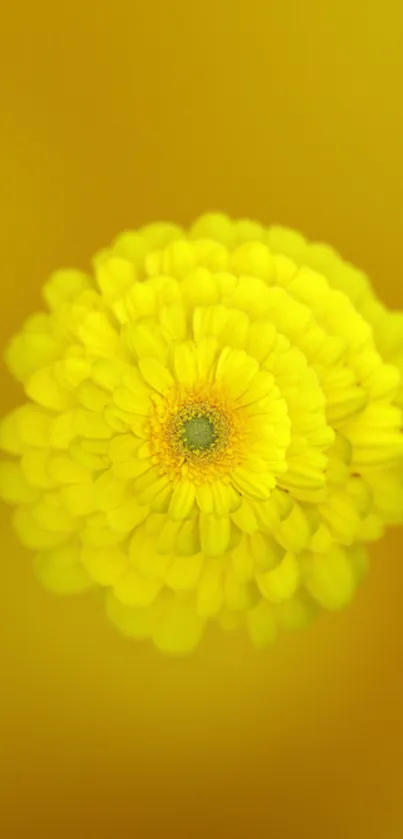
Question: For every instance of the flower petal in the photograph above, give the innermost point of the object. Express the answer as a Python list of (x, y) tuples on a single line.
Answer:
[(184, 572), (281, 583), (180, 629), (60, 570), (236, 370), (211, 588), (257, 484), (134, 590), (155, 374), (182, 500), (261, 623), (215, 534), (329, 578), (104, 565), (225, 498), (185, 364)]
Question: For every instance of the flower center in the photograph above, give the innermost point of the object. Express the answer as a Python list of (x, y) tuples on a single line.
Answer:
[(199, 433), (197, 429)]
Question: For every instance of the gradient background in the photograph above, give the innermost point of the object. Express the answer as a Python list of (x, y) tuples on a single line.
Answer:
[(115, 114)]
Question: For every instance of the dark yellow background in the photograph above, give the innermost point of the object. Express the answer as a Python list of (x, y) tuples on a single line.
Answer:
[(119, 113)]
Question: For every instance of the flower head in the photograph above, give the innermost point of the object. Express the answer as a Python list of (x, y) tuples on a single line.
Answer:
[(212, 430)]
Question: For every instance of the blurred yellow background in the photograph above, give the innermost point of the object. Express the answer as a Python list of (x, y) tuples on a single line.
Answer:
[(113, 115)]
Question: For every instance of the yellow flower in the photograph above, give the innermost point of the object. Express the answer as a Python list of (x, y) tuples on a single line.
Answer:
[(212, 431)]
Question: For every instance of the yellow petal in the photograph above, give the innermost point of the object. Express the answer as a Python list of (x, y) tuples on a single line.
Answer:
[(253, 259), (99, 336), (64, 286), (256, 484), (329, 578), (208, 322), (104, 565), (43, 388), (261, 623), (98, 533), (122, 447), (131, 468), (322, 540), (167, 538), (134, 590), (86, 458), (182, 500), (109, 491), (237, 595), (145, 556), (92, 425), (173, 320), (236, 370), (62, 431), (281, 583), (92, 397), (108, 373), (60, 570), (260, 387), (78, 499), (261, 339), (35, 469), (26, 353), (245, 518), (50, 515), (204, 497), (145, 340), (297, 612), (376, 435), (225, 498), (14, 488), (268, 513), (160, 503), (136, 403), (342, 516), (267, 553), (229, 621), (200, 288), (34, 426), (294, 532), (215, 226), (127, 516), (114, 276), (188, 539), (180, 629), (149, 493), (155, 374), (31, 534), (215, 534), (252, 296), (159, 234), (243, 562), (206, 355), (185, 364), (184, 572), (249, 231), (10, 440), (136, 623), (64, 470), (178, 258), (70, 373), (210, 254), (211, 588)]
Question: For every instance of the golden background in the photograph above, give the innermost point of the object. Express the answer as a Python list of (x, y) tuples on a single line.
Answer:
[(113, 115)]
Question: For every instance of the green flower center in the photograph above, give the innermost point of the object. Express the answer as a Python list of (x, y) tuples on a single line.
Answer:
[(199, 433)]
